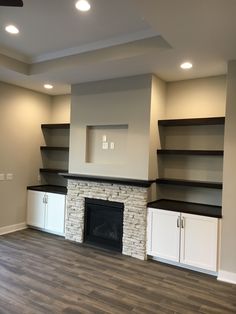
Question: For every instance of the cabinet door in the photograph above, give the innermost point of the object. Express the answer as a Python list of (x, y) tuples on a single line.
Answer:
[(199, 241), (55, 213), (163, 234), (36, 209)]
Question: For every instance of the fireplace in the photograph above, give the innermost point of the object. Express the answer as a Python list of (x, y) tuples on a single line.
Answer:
[(103, 223), (131, 194)]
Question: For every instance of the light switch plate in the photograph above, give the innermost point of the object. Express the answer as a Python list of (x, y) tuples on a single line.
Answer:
[(2, 176), (104, 138)]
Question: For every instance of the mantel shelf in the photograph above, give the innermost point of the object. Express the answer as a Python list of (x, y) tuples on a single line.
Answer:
[(56, 126), (111, 180), (190, 152), (51, 170), (193, 183), (58, 148), (194, 121)]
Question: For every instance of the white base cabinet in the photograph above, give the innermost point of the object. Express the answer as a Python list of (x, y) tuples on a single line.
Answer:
[(46, 211), (189, 240)]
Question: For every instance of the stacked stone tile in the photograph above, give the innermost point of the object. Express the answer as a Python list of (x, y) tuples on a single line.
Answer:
[(135, 212)]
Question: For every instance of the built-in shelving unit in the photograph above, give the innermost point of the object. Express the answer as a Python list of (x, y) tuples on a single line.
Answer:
[(52, 170), (193, 183), (55, 126), (55, 152), (59, 148), (181, 158), (194, 121), (193, 152)]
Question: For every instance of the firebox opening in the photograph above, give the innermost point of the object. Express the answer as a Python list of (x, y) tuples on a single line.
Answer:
[(104, 223)]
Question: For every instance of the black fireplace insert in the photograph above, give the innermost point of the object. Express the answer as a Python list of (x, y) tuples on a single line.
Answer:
[(103, 223)]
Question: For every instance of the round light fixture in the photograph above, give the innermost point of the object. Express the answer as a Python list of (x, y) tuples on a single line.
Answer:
[(186, 65), (83, 5), (48, 86), (12, 29)]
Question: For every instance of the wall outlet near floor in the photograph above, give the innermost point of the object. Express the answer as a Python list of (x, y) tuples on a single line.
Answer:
[(2, 176), (9, 176)]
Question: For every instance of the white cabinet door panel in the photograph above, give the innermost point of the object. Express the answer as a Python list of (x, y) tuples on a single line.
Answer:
[(199, 241), (36, 209), (163, 234), (55, 213)]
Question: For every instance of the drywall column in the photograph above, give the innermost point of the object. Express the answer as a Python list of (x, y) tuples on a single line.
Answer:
[(228, 245)]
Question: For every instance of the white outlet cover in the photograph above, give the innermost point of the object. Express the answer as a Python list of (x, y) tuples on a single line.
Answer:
[(104, 138), (2, 176), (112, 145), (104, 145), (9, 176)]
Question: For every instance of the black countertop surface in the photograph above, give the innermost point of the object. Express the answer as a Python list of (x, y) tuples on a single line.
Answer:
[(187, 207), (49, 188)]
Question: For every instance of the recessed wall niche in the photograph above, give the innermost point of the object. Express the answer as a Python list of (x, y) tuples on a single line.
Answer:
[(106, 144)]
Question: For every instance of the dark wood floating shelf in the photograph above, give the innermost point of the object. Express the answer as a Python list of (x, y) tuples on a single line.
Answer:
[(120, 181), (56, 126), (49, 188), (195, 121), (54, 148), (200, 184), (50, 170), (190, 152), (187, 207)]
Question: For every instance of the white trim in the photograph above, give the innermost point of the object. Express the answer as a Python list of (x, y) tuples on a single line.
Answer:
[(13, 228), (227, 276), (101, 44), (178, 264)]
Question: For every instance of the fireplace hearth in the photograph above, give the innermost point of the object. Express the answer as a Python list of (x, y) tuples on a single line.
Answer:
[(103, 223)]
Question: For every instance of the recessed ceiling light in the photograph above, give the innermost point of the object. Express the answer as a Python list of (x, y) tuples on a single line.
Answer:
[(186, 65), (48, 86), (12, 29), (83, 5)]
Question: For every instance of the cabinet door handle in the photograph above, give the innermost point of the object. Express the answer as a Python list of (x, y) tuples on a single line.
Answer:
[(182, 223), (46, 199), (178, 222)]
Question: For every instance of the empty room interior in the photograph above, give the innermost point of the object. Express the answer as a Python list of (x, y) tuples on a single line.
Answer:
[(117, 156)]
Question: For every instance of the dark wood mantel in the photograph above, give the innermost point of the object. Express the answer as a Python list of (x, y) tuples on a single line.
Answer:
[(112, 180)]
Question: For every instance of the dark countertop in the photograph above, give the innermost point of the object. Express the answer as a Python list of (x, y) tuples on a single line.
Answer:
[(48, 188), (187, 207)]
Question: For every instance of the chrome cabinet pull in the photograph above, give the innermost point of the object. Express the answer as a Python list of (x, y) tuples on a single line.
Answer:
[(182, 223), (178, 222)]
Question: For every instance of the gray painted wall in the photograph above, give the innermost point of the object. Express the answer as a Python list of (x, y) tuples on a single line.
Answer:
[(123, 101), (228, 239), (21, 113)]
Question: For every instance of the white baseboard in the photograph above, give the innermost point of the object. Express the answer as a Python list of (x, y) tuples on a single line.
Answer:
[(13, 228), (227, 276)]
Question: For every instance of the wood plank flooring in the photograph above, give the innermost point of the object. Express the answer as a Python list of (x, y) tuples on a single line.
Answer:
[(41, 273)]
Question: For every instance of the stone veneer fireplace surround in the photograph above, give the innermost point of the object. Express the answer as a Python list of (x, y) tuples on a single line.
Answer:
[(132, 193)]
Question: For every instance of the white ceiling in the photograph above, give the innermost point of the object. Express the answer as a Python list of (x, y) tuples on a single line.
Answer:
[(61, 45)]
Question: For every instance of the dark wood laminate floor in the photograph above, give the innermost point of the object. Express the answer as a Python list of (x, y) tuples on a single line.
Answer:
[(41, 273)]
